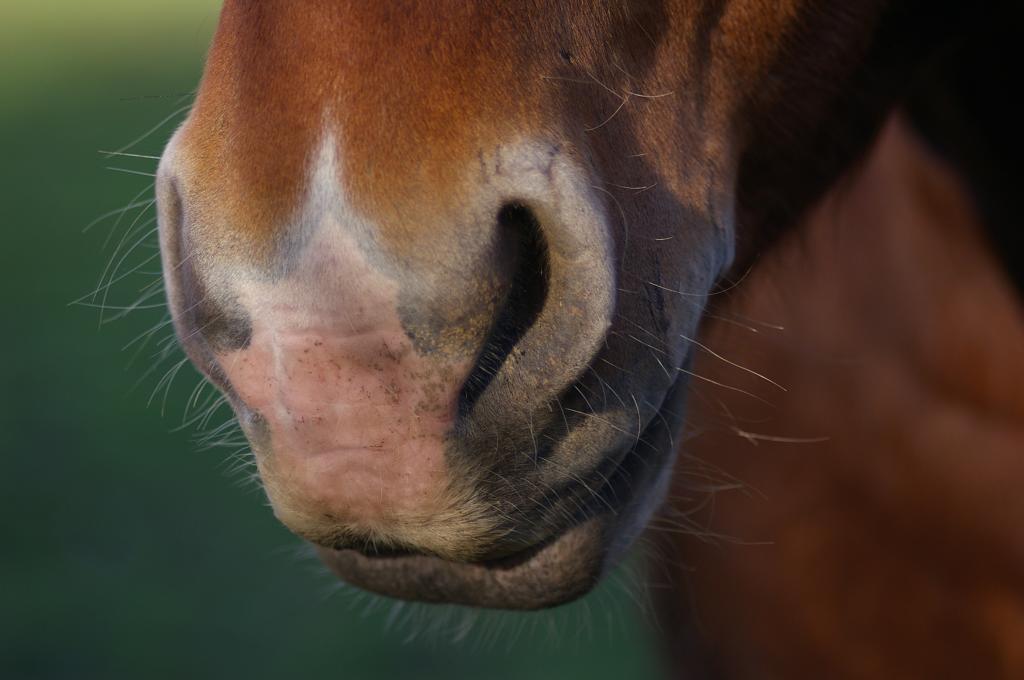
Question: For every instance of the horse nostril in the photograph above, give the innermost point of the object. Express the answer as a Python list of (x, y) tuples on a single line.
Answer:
[(527, 293), (205, 319)]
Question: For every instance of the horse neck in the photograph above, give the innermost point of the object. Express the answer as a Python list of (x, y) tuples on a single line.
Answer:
[(885, 506), (901, 250)]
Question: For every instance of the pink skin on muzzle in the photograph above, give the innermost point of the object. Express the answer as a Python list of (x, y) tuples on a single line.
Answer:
[(357, 417)]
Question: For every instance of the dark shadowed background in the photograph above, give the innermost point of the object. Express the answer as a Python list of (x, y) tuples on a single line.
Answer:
[(126, 550)]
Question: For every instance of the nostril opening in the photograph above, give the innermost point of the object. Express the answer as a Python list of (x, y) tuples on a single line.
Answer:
[(528, 291), (218, 320)]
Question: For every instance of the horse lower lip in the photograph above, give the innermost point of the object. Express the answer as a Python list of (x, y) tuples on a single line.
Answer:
[(503, 561), (556, 572)]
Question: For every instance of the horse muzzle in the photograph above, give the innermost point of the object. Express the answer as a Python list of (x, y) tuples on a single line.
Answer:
[(402, 394)]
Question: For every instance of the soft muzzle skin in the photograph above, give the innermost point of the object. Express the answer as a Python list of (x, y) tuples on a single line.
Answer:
[(357, 418), (393, 422), (446, 262)]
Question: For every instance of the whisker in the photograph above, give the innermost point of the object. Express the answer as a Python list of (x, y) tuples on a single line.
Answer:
[(119, 211), (600, 125), (138, 140), (724, 386), (129, 171), (110, 154), (755, 437), (732, 363)]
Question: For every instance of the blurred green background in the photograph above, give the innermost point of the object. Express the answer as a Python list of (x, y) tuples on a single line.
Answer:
[(128, 552)]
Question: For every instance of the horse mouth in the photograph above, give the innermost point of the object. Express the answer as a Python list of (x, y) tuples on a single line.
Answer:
[(558, 569), (552, 573)]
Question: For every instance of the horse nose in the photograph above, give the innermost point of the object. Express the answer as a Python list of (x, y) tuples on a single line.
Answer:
[(365, 357)]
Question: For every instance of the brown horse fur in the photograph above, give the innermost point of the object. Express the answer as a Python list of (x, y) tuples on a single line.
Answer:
[(874, 526)]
